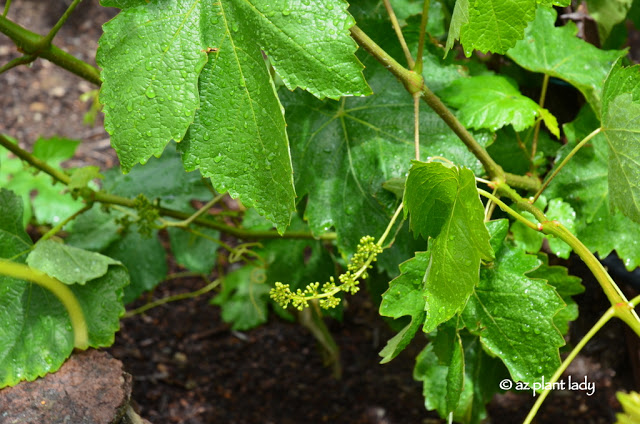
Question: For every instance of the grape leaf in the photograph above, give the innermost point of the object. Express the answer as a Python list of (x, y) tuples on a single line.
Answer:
[(36, 336), (557, 52), (162, 179), (459, 19), (145, 258), (608, 13), (492, 101), (405, 296), (482, 374), (444, 206), (151, 56), (69, 264), (14, 240), (512, 151), (565, 285), (564, 213), (81, 177), (507, 308), (583, 183), (344, 151), (195, 249), (93, 230), (244, 298), (447, 344), (494, 25), (246, 150), (620, 111), (51, 203)]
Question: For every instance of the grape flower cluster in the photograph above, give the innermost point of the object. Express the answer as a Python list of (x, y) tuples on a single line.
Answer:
[(360, 262)]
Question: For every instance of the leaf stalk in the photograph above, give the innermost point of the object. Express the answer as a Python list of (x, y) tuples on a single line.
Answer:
[(565, 161), (398, 31)]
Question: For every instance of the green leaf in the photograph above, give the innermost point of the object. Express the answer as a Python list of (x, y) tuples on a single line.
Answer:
[(55, 150), (495, 25), (196, 249), (557, 52), (246, 150), (81, 177), (145, 258), (608, 13), (160, 179), (153, 87), (151, 57), (405, 296), (122, 4), (343, 152), (244, 298), (564, 213), (14, 240), (512, 151), (447, 345), (459, 19), (583, 183), (94, 230), (68, 264), (565, 285), (36, 335), (50, 201), (507, 309), (620, 111), (482, 374), (491, 102), (444, 205)]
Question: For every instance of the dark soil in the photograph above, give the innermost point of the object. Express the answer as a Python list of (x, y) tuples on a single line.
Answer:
[(188, 367)]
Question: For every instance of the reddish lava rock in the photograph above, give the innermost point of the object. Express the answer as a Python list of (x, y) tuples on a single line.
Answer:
[(90, 388)]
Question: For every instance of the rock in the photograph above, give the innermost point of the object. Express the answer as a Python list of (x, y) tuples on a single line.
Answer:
[(90, 388)]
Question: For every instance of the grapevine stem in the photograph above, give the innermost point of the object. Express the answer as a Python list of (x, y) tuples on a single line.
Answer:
[(613, 292), (107, 198), (46, 41), (32, 45), (508, 210), (398, 30), (6, 8), (565, 161), (52, 232), (565, 364), (60, 290), (555, 228), (423, 31), (22, 60), (414, 83), (536, 131), (186, 222), (416, 125), (181, 296), (393, 221), (556, 376)]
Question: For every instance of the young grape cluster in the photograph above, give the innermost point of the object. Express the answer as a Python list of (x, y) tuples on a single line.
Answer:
[(366, 253)]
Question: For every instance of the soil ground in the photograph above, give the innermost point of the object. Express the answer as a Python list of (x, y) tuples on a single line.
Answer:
[(189, 367)]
